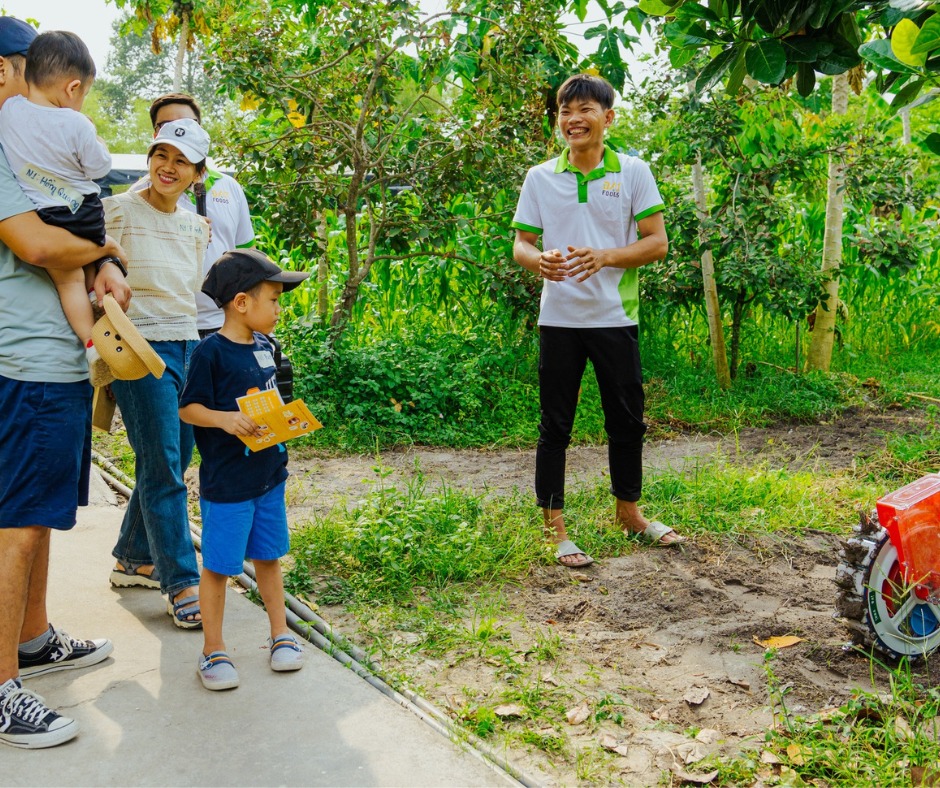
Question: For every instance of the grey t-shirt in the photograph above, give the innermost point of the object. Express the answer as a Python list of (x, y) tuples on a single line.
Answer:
[(37, 343)]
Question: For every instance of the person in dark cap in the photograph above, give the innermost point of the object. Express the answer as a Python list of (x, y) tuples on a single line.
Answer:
[(43, 469), (241, 492)]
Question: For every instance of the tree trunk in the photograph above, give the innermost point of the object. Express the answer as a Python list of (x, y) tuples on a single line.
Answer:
[(323, 271), (820, 349), (181, 52), (712, 307)]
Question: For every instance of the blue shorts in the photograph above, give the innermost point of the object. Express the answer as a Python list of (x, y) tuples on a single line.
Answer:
[(255, 529), (45, 452)]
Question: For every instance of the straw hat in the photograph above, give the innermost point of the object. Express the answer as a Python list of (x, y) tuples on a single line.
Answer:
[(122, 347)]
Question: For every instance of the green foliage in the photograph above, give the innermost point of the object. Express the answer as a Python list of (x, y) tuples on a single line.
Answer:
[(884, 739), (397, 542), (449, 389)]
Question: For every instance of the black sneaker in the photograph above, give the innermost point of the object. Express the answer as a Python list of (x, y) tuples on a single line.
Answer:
[(63, 652), (26, 721)]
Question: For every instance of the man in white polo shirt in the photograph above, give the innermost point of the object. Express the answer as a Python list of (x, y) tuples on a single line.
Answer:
[(600, 216)]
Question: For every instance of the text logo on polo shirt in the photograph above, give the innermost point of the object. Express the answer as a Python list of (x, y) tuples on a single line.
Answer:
[(610, 188)]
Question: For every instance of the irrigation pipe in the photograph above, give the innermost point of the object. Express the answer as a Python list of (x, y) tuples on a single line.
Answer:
[(317, 631)]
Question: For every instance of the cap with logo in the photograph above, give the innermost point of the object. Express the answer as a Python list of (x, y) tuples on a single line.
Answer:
[(15, 36), (240, 270), (185, 135)]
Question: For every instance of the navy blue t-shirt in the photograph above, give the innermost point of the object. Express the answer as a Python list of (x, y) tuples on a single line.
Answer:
[(220, 371)]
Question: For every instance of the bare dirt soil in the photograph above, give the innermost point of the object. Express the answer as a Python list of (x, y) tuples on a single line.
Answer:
[(669, 633)]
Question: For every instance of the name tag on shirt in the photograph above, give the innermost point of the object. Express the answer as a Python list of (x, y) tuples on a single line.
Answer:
[(264, 357)]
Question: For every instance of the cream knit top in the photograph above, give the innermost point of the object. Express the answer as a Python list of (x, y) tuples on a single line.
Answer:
[(165, 252)]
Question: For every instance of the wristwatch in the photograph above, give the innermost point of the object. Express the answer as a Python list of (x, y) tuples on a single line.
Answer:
[(115, 260)]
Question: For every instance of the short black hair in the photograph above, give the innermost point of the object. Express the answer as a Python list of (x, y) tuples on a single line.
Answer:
[(174, 98), (586, 86), (58, 54), (18, 62)]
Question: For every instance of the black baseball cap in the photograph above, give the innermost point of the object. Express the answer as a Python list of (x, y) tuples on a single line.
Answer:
[(240, 270), (15, 36)]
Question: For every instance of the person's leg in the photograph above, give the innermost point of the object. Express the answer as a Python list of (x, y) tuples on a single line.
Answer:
[(156, 524), (212, 604), (615, 355), (268, 541), (19, 548), (562, 359), (36, 619), (74, 299), (271, 587)]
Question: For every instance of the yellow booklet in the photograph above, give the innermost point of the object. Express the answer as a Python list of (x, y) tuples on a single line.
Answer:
[(278, 422)]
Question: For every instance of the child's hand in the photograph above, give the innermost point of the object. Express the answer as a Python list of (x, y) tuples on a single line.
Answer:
[(238, 424)]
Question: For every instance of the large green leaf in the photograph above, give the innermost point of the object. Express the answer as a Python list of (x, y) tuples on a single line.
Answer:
[(656, 7), (688, 33), (805, 79), (929, 37), (766, 61), (842, 57), (932, 143), (908, 93), (710, 75), (902, 43), (879, 54), (804, 49)]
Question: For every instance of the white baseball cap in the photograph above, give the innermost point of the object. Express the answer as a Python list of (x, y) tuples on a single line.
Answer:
[(185, 135)]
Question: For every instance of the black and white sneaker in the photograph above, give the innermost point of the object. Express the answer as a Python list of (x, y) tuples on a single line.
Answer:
[(26, 721), (63, 652)]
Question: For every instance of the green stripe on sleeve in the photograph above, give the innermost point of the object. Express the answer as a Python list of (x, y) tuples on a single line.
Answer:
[(528, 228), (650, 211)]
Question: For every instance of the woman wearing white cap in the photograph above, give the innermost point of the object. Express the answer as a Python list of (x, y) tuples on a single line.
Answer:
[(165, 249)]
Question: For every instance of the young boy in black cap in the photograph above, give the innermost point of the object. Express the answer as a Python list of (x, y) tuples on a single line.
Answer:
[(241, 493)]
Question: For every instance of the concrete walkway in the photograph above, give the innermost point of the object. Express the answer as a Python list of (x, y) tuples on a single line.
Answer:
[(146, 719)]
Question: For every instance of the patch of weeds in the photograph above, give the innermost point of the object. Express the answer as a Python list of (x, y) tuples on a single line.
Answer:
[(608, 707), (395, 542), (552, 743), (593, 766), (481, 720), (336, 591), (548, 645), (872, 739)]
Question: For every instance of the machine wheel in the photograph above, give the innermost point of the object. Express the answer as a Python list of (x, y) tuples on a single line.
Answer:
[(877, 607)]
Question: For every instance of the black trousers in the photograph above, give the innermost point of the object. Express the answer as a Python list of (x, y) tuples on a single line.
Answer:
[(615, 356), (87, 222)]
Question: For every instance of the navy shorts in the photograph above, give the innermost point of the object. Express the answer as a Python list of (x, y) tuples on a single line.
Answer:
[(232, 532), (45, 452)]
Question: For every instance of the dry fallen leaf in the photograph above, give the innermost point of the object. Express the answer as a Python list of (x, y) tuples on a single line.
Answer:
[(581, 577), (549, 678), (795, 753), (691, 751), (699, 779), (742, 683), (695, 696), (509, 710), (925, 776), (579, 713), (707, 736), (662, 713), (779, 642), (766, 756), (613, 744)]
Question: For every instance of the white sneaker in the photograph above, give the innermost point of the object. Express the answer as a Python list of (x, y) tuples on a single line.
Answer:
[(286, 653), (26, 721)]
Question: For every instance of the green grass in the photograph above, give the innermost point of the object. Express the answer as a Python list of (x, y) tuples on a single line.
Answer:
[(888, 739)]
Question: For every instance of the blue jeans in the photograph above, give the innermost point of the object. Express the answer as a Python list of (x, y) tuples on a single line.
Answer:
[(156, 524)]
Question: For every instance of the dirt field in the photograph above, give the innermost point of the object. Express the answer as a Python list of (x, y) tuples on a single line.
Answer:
[(661, 639)]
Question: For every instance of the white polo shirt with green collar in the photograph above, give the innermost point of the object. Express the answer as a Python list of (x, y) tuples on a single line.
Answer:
[(600, 210)]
